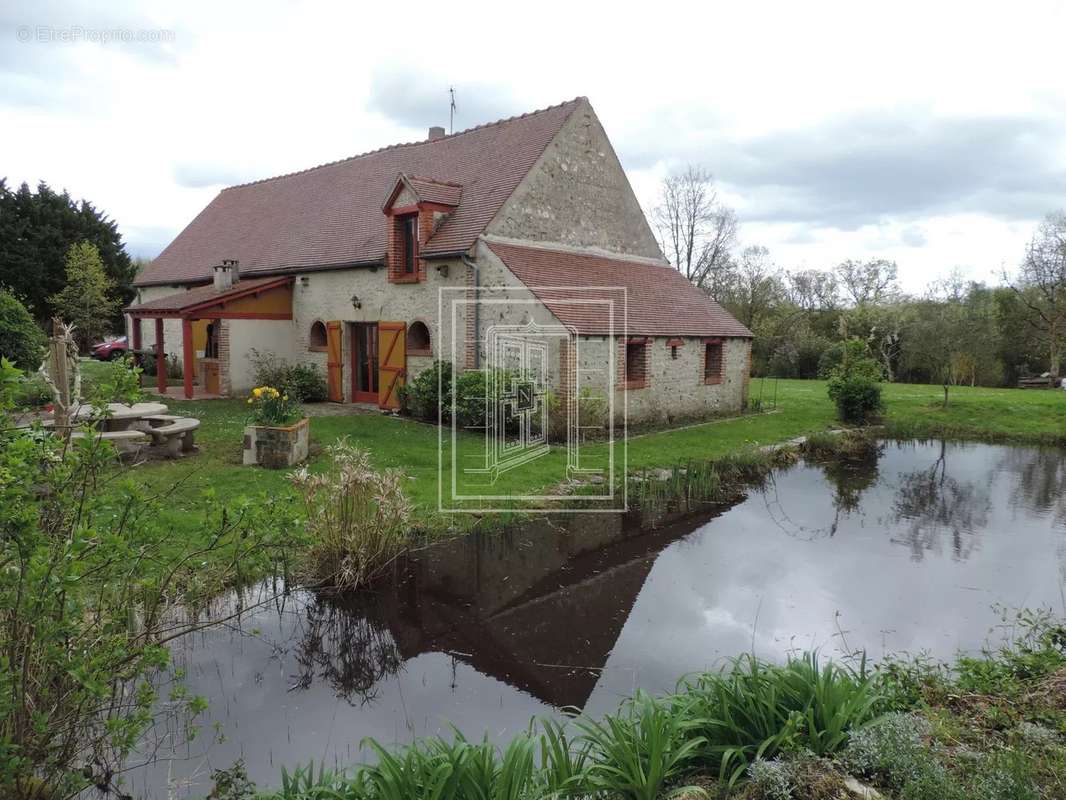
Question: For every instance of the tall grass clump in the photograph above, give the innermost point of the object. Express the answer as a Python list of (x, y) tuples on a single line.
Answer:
[(436, 769), (754, 710), (639, 752), (358, 517)]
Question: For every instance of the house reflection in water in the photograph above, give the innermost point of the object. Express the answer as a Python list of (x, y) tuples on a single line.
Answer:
[(537, 607)]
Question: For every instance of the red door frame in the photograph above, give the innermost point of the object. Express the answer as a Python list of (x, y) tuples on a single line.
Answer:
[(357, 395)]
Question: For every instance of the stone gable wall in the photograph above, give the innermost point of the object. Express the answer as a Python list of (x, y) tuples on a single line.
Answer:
[(578, 195)]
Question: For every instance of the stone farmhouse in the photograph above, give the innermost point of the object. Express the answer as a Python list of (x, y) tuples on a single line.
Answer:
[(342, 265)]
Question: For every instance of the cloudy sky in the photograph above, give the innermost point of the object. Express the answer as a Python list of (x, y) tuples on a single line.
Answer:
[(929, 133)]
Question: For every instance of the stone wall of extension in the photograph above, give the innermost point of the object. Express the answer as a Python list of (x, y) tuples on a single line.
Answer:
[(674, 389)]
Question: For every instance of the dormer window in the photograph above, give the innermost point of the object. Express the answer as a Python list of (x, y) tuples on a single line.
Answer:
[(414, 208), (407, 229)]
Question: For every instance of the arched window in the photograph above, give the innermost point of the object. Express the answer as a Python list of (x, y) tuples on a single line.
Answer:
[(317, 339), (418, 339)]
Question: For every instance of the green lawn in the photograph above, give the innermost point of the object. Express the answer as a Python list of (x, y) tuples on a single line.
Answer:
[(802, 407)]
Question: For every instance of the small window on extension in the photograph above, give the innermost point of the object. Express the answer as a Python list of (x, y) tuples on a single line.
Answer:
[(636, 364)]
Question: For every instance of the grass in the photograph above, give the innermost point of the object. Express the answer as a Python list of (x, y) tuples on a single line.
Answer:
[(802, 409)]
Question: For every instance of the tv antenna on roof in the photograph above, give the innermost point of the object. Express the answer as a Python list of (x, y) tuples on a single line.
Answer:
[(451, 110)]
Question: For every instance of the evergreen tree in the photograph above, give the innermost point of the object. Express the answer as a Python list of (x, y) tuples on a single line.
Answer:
[(87, 299), (37, 230)]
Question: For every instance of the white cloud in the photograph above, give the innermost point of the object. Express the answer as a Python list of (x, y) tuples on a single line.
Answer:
[(756, 91)]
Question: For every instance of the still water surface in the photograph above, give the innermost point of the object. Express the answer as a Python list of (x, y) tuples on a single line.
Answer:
[(906, 550)]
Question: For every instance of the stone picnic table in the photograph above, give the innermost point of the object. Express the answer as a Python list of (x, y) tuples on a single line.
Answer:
[(120, 417), (130, 427)]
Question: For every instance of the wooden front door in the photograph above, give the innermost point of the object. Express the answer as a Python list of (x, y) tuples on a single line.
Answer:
[(334, 363), (393, 362), (364, 362)]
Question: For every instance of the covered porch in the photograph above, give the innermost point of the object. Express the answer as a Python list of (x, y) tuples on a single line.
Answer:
[(204, 314)]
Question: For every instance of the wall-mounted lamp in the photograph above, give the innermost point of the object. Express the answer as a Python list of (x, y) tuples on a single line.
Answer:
[(442, 270), (356, 302), (305, 281)]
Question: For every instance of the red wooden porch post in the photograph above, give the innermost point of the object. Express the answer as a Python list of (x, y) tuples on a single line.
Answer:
[(186, 356), (135, 323), (160, 358)]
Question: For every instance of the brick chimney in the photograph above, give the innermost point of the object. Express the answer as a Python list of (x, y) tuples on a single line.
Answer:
[(436, 132), (225, 274)]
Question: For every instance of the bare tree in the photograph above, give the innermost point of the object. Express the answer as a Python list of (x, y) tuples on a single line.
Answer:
[(696, 231), (813, 290), (869, 282), (755, 287), (1041, 286)]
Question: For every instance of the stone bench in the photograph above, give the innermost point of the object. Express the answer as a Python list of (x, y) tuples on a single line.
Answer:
[(124, 441), (173, 433)]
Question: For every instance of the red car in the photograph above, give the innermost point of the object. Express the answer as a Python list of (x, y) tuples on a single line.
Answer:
[(111, 347)]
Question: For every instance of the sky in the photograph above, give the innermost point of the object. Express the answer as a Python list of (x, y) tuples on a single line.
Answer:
[(932, 134)]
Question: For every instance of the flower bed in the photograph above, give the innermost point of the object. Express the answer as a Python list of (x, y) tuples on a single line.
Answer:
[(279, 435)]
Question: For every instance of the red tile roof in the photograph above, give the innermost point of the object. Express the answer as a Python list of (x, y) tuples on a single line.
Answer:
[(432, 191), (205, 295), (330, 215), (660, 301)]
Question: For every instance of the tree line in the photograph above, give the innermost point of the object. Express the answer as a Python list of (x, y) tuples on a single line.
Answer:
[(59, 257), (955, 332)]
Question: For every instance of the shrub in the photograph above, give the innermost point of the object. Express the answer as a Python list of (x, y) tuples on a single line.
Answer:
[(306, 383), (22, 342), (31, 391), (358, 517), (267, 368), (115, 381), (429, 391), (173, 366), (472, 394), (771, 780), (303, 382), (855, 384), (891, 750)]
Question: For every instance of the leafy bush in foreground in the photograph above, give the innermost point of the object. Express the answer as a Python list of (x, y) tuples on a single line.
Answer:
[(22, 342), (90, 593)]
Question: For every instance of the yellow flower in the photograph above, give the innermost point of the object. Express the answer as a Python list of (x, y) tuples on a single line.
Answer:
[(258, 391), (284, 397), (250, 401)]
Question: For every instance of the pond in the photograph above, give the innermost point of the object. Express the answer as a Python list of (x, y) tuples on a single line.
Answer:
[(909, 548)]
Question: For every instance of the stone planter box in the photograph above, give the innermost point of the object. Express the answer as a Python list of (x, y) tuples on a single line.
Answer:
[(277, 448)]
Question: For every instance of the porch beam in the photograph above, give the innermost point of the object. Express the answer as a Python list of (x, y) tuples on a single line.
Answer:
[(160, 358), (187, 356), (135, 336)]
